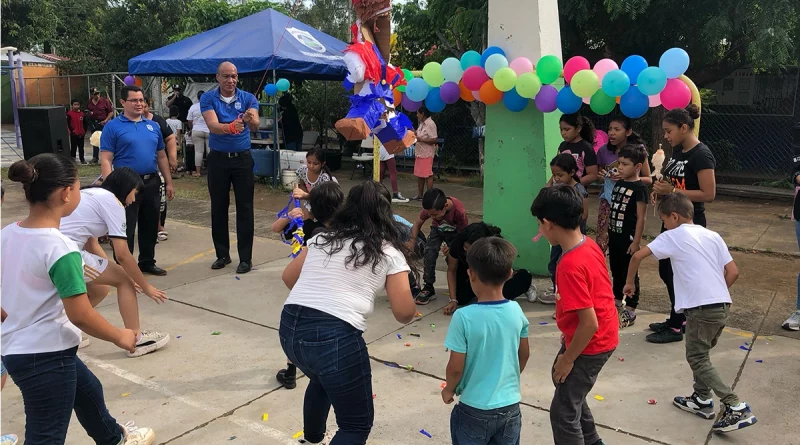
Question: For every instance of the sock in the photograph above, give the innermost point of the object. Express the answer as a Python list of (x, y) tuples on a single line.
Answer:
[(675, 330), (703, 401), (291, 369), (739, 407)]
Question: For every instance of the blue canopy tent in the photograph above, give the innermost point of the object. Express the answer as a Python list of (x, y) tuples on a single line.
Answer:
[(267, 40)]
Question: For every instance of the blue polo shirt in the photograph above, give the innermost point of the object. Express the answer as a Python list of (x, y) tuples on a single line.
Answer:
[(135, 144), (226, 113)]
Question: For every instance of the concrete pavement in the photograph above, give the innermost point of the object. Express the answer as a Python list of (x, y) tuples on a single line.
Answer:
[(206, 389)]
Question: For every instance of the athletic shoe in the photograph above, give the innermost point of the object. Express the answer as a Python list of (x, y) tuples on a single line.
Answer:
[(289, 381), (793, 322), (137, 436), (692, 404), (660, 326), (665, 336), (549, 297), (398, 197), (734, 419), (427, 295), (620, 309), (627, 318), (85, 341), (417, 198), (326, 439), (9, 439), (149, 341), (530, 294)]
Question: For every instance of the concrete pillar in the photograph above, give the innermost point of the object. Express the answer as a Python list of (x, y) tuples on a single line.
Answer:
[(519, 146)]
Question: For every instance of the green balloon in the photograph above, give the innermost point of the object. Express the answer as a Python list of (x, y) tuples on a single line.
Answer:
[(584, 83), (432, 74), (548, 69), (601, 103), (528, 85), (505, 79), (407, 75)]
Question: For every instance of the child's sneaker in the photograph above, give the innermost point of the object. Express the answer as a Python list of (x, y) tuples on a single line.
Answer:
[(137, 436), (288, 380), (549, 297), (692, 404), (149, 341), (326, 439), (793, 322), (530, 294), (627, 318), (9, 439), (732, 419), (427, 295)]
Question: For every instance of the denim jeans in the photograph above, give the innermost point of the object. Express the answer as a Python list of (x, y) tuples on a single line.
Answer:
[(433, 248), (333, 355), (52, 385), (473, 426)]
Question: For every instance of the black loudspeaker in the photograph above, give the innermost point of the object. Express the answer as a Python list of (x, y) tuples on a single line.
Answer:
[(43, 130)]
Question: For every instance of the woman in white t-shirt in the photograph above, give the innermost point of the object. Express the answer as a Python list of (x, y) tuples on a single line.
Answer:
[(333, 285), (45, 297), (102, 212), (199, 133)]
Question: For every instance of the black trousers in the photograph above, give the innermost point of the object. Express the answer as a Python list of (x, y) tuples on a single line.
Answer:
[(145, 211), (189, 158), (518, 284), (224, 171), (76, 146), (620, 260), (675, 319)]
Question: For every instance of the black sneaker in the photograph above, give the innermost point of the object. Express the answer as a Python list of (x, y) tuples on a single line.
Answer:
[(425, 296), (660, 326), (665, 336), (289, 381), (399, 198), (734, 419), (220, 263), (692, 404)]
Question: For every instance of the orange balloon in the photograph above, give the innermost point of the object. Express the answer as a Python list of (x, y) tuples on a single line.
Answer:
[(137, 81), (617, 100), (398, 96), (466, 94), (490, 95)]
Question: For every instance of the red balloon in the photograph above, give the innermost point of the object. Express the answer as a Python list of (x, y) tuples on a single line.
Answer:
[(573, 65), (490, 95), (474, 77)]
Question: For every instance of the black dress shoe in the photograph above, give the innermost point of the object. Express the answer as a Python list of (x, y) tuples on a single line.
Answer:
[(220, 263), (244, 267), (153, 270)]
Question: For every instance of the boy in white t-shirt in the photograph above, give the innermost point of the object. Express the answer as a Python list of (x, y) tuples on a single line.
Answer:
[(704, 270)]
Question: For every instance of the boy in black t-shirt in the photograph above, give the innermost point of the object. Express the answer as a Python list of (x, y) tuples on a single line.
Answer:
[(625, 227)]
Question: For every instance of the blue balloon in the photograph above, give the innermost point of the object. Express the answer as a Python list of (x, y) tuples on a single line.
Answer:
[(282, 85), (633, 65), (616, 83), (417, 89), (271, 89), (674, 62), (489, 51), (470, 58), (433, 101), (634, 104), (514, 102), (567, 101), (651, 81)]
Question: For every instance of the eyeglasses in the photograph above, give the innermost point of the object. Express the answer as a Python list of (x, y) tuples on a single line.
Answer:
[(136, 101)]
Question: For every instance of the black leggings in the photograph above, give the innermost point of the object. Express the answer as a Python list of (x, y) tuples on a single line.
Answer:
[(675, 319)]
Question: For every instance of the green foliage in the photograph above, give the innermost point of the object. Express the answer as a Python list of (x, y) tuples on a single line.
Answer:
[(203, 15), (320, 104)]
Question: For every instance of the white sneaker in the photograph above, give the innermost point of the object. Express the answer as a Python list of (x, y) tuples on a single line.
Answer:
[(530, 294), (9, 439), (326, 439), (137, 436), (549, 297), (793, 322), (149, 341), (85, 341)]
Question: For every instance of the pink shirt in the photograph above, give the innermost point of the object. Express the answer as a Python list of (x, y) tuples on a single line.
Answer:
[(426, 130)]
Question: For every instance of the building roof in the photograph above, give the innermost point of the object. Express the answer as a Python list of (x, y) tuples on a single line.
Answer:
[(52, 58)]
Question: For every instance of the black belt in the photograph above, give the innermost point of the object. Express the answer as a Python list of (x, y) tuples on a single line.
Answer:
[(231, 154), (148, 176)]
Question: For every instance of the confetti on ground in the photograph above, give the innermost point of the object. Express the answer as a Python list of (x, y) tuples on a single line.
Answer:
[(232, 438), (237, 277), (622, 359), (409, 367), (651, 402), (425, 433), (422, 344), (745, 348), (444, 385), (769, 338), (759, 361), (414, 335), (543, 323), (599, 398), (391, 365), (216, 333), (399, 336), (433, 326), (125, 394), (407, 344), (746, 344), (297, 435), (264, 417), (418, 314), (179, 336)]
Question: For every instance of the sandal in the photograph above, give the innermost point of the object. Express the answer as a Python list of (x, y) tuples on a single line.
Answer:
[(163, 235), (196, 174)]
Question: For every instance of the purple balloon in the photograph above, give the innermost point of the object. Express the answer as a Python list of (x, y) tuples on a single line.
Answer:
[(450, 92), (409, 104), (546, 99), (129, 80)]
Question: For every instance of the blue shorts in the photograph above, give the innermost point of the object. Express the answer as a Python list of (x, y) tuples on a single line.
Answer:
[(2, 369)]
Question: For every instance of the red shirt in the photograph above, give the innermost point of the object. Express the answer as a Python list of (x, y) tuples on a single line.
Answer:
[(75, 122), (99, 111), (455, 220), (582, 282)]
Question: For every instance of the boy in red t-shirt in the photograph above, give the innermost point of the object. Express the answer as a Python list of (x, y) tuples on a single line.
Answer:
[(76, 130), (585, 314)]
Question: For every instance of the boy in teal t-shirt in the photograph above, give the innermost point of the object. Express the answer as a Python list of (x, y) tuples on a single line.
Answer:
[(488, 344)]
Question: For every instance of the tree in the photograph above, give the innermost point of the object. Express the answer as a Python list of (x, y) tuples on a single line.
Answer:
[(202, 15)]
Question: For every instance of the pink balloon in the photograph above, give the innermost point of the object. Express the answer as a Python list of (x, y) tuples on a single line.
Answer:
[(655, 100), (603, 66), (476, 95), (521, 65), (676, 94), (573, 65), (474, 77), (587, 100)]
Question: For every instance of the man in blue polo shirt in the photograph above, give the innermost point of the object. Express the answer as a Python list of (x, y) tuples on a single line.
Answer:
[(135, 142), (230, 115)]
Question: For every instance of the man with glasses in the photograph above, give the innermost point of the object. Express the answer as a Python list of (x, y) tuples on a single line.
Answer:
[(226, 109), (100, 112), (133, 141)]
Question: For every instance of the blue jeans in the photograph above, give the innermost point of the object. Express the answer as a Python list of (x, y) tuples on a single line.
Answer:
[(52, 385), (472, 426), (333, 355)]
